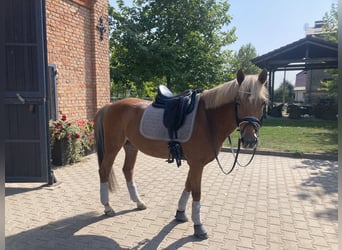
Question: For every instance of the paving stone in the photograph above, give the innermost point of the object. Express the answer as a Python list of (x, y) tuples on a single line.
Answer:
[(274, 203)]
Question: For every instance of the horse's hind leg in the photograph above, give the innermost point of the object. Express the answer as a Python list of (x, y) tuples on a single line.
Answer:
[(128, 170), (106, 180)]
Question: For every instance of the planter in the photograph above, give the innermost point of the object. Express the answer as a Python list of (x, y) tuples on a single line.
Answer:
[(59, 154), (89, 151)]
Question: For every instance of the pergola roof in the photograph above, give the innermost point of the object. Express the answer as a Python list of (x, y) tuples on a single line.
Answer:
[(308, 53)]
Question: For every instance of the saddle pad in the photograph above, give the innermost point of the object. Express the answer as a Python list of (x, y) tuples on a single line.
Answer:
[(152, 126)]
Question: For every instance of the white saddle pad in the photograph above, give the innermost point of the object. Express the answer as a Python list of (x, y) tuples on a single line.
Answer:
[(152, 126)]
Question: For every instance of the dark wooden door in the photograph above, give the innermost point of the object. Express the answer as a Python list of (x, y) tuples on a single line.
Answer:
[(24, 87)]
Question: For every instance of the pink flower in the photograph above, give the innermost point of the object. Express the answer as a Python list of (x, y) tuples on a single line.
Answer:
[(77, 136), (64, 118)]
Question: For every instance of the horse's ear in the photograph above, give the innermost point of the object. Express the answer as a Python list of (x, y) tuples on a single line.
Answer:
[(262, 76), (240, 76)]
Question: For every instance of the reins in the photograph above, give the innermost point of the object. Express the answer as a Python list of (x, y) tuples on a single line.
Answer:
[(214, 151), (238, 150)]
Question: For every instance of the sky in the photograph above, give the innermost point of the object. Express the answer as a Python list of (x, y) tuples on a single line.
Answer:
[(271, 24)]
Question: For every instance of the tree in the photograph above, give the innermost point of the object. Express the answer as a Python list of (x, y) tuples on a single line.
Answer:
[(330, 24), (178, 42), (284, 93), (330, 28), (242, 60)]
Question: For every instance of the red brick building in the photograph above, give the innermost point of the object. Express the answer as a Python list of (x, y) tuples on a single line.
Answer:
[(79, 54)]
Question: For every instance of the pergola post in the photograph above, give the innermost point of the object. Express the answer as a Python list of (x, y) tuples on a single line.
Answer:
[(271, 88)]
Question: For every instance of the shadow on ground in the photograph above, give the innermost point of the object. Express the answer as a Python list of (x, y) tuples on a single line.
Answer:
[(154, 243), (59, 234), (18, 190), (323, 181)]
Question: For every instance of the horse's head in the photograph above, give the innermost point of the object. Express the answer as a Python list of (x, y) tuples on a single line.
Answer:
[(249, 106)]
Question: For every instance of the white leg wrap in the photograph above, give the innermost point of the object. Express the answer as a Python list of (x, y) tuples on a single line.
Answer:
[(195, 216), (183, 200), (104, 193), (133, 191)]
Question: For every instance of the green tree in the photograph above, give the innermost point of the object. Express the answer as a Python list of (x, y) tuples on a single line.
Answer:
[(330, 32), (330, 25), (174, 42), (284, 93), (242, 60)]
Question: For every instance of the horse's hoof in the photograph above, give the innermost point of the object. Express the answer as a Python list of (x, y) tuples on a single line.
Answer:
[(109, 213), (181, 216), (141, 206), (200, 232)]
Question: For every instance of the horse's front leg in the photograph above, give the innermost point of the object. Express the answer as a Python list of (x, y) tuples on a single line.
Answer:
[(193, 185), (180, 215), (128, 170), (195, 181)]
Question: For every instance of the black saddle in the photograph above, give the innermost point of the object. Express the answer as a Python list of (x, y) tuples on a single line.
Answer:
[(176, 107)]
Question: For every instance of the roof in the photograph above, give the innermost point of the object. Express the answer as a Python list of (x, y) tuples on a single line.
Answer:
[(308, 53)]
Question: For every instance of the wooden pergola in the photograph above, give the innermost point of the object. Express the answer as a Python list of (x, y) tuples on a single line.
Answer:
[(308, 53)]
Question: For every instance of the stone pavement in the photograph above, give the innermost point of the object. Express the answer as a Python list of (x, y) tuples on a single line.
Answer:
[(274, 203)]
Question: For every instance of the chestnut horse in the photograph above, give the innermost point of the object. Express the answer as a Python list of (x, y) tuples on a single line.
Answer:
[(238, 103)]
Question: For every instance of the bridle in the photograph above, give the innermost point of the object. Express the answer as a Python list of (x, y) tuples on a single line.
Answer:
[(249, 120), (246, 121)]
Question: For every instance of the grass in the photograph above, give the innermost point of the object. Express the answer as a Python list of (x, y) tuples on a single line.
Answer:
[(298, 136)]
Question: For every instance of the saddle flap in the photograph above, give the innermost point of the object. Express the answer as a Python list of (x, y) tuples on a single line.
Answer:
[(174, 114)]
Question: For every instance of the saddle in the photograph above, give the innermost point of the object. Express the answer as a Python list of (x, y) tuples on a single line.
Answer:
[(176, 107)]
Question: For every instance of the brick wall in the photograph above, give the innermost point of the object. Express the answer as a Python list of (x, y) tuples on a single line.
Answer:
[(80, 56)]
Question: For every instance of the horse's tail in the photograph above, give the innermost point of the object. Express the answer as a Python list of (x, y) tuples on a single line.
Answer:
[(99, 139), (98, 132)]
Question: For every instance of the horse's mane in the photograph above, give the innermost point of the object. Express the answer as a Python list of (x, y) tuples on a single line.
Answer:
[(227, 92)]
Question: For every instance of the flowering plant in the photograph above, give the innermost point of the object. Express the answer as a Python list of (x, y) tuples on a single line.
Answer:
[(87, 133), (61, 128), (74, 136)]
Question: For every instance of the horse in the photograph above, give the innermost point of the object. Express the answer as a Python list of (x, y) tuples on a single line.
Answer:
[(221, 109)]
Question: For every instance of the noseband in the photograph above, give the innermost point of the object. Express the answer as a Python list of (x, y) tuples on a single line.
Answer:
[(249, 120)]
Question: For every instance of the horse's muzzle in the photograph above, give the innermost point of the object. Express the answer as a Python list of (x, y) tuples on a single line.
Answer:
[(249, 128), (249, 141)]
